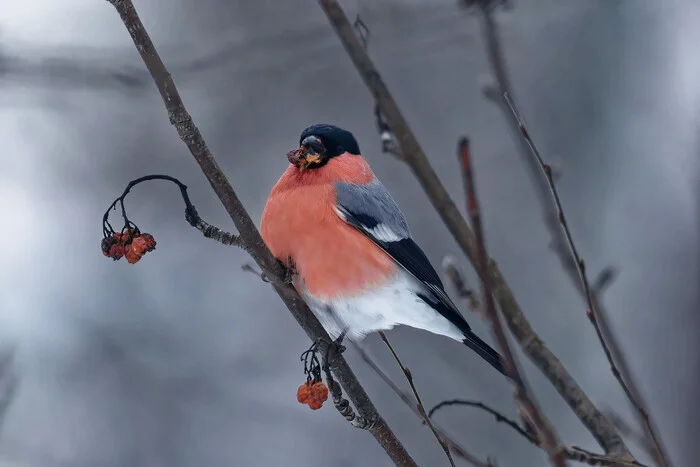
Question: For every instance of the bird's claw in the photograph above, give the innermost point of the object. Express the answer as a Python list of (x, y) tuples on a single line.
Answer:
[(333, 349), (288, 278)]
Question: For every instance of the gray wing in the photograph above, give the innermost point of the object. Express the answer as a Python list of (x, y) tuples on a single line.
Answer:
[(371, 209)]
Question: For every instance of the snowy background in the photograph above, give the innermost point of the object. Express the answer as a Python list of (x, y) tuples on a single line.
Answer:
[(184, 360)]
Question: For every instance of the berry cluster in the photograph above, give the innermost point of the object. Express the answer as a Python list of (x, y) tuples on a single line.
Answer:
[(129, 243), (312, 393)]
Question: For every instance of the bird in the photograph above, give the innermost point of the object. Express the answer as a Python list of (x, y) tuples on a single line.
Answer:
[(353, 260)]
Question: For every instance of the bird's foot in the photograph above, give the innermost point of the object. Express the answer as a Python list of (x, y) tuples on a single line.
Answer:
[(331, 349), (286, 279), (337, 348), (289, 272)]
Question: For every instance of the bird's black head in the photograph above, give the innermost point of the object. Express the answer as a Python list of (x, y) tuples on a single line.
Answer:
[(320, 143)]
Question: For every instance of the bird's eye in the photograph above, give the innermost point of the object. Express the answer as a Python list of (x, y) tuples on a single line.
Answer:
[(314, 143)]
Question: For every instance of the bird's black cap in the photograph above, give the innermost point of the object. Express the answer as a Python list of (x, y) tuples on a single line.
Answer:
[(335, 140)]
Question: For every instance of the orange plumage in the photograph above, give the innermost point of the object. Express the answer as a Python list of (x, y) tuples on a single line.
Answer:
[(299, 221)]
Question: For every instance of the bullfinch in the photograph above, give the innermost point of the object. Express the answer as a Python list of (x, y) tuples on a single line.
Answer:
[(348, 245)]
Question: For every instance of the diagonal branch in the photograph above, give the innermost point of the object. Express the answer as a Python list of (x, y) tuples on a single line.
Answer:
[(561, 238), (573, 453), (594, 313), (190, 135), (533, 346), (419, 403), (545, 433), (410, 402), (500, 418)]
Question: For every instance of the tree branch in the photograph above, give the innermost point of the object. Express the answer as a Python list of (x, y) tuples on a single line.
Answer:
[(500, 418), (419, 403), (410, 402), (545, 433), (594, 313), (573, 453), (601, 429), (190, 135), (561, 240)]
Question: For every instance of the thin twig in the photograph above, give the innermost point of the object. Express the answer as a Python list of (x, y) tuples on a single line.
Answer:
[(410, 402), (533, 346), (419, 402), (190, 135), (500, 418), (594, 313), (573, 453), (545, 433), (386, 135), (191, 215), (578, 454), (494, 51)]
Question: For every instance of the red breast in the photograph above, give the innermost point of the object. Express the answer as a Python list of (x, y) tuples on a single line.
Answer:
[(299, 221)]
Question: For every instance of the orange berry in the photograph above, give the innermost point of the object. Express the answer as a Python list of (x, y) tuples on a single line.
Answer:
[(116, 252), (131, 255), (319, 391), (304, 393), (139, 245), (315, 404), (150, 241)]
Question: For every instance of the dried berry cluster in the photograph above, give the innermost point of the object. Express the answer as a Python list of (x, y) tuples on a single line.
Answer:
[(130, 243), (312, 393)]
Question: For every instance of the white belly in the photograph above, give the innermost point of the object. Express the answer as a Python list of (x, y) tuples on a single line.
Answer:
[(381, 309)]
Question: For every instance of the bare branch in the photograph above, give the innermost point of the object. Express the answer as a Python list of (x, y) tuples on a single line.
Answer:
[(191, 215), (573, 453), (419, 403), (560, 239), (594, 313), (410, 402), (190, 135), (533, 346), (578, 454), (545, 433), (212, 231), (500, 418)]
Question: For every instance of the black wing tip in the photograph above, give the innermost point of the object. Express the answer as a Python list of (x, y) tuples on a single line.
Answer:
[(485, 351)]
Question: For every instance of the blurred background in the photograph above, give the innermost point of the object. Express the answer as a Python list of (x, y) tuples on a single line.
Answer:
[(185, 360)]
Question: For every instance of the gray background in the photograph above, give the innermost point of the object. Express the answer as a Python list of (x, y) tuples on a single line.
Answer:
[(184, 360)]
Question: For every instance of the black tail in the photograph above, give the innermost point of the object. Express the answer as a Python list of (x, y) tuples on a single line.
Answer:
[(484, 350)]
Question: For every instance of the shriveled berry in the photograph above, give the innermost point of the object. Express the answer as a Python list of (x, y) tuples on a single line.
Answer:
[(315, 404), (131, 255), (319, 391), (304, 393), (116, 251)]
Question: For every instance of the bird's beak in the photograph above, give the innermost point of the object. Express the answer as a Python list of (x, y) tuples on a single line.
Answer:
[(310, 153)]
